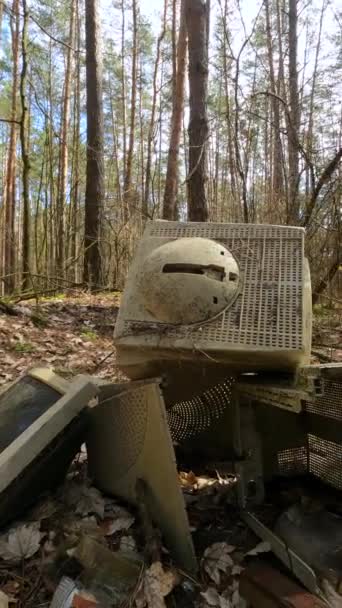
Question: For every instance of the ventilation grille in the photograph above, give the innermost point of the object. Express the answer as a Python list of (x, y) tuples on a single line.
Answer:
[(188, 419), (326, 460), (219, 231), (269, 310), (293, 461), (328, 404), (126, 423)]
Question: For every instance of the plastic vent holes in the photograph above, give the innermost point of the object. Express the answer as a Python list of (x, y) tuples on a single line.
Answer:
[(188, 419)]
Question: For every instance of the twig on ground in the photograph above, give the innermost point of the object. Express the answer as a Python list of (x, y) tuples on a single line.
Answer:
[(98, 365)]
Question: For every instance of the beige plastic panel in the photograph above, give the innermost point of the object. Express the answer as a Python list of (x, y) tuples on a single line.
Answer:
[(130, 440), (29, 444), (267, 326), (47, 376)]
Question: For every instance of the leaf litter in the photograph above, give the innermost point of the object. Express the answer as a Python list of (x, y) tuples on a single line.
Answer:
[(217, 560), (62, 342), (21, 542), (57, 524)]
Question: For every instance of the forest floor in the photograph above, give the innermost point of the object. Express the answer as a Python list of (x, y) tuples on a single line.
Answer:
[(74, 334), (71, 333)]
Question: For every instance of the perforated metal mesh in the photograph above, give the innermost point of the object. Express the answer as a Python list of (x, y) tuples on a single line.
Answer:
[(269, 311), (329, 403), (222, 231), (325, 459), (188, 419), (293, 461), (320, 456), (126, 425)]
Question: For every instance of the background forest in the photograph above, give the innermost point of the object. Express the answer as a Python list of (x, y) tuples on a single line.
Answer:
[(266, 146)]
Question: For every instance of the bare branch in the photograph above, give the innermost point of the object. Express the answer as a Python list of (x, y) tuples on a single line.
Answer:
[(324, 178)]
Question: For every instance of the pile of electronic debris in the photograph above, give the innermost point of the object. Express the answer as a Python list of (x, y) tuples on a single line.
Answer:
[(214, 332), (80, 544)]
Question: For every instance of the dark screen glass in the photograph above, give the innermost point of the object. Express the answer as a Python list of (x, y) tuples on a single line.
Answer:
[(21, 405)]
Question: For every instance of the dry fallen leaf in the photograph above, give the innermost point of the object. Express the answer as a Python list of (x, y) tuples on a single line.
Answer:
[(236, 570), (187, 480), (21, 542), (216, 559), (84, 600), (157, 584), (333, 598), (44, 510), (86, 499), (236, 600), (86, 526), (121, 519), (127, 543), (213, 598), (4, 600), (263, 547)]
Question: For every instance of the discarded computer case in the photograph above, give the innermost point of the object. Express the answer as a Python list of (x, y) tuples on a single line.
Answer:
[(222, 312), (203, 301), (42, 425)]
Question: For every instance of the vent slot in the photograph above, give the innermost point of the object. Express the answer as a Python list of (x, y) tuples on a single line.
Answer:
[(211, 271), (188, 419)]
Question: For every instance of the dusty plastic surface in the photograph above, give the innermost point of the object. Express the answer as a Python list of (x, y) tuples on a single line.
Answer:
[(129, 439), (266, 325), (40, 431), (189, 280), (316, 537), (24, 400)]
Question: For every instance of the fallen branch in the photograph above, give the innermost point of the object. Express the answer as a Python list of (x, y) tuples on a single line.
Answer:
[(323, 284), (10, 121), (321, 356), (324, 178), (8, 309), (98, 365)]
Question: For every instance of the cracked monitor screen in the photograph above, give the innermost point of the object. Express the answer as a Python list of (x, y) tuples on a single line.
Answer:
[(22, 404)]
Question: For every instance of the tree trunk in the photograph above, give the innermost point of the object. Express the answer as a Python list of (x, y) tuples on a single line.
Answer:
[(128, 169), (76, 151), (281, 90), (329, 276), (94, 195), (293, 135), (197, 24), (226, 49), (310, 134), (10, 190), (63, 151), (151, 129), (277, 160), (123, 82), (25, 154), (171, 183), (1, 17)]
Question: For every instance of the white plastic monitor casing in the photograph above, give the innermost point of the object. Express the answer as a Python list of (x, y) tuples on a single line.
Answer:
[(267, 326), (74, 397)]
